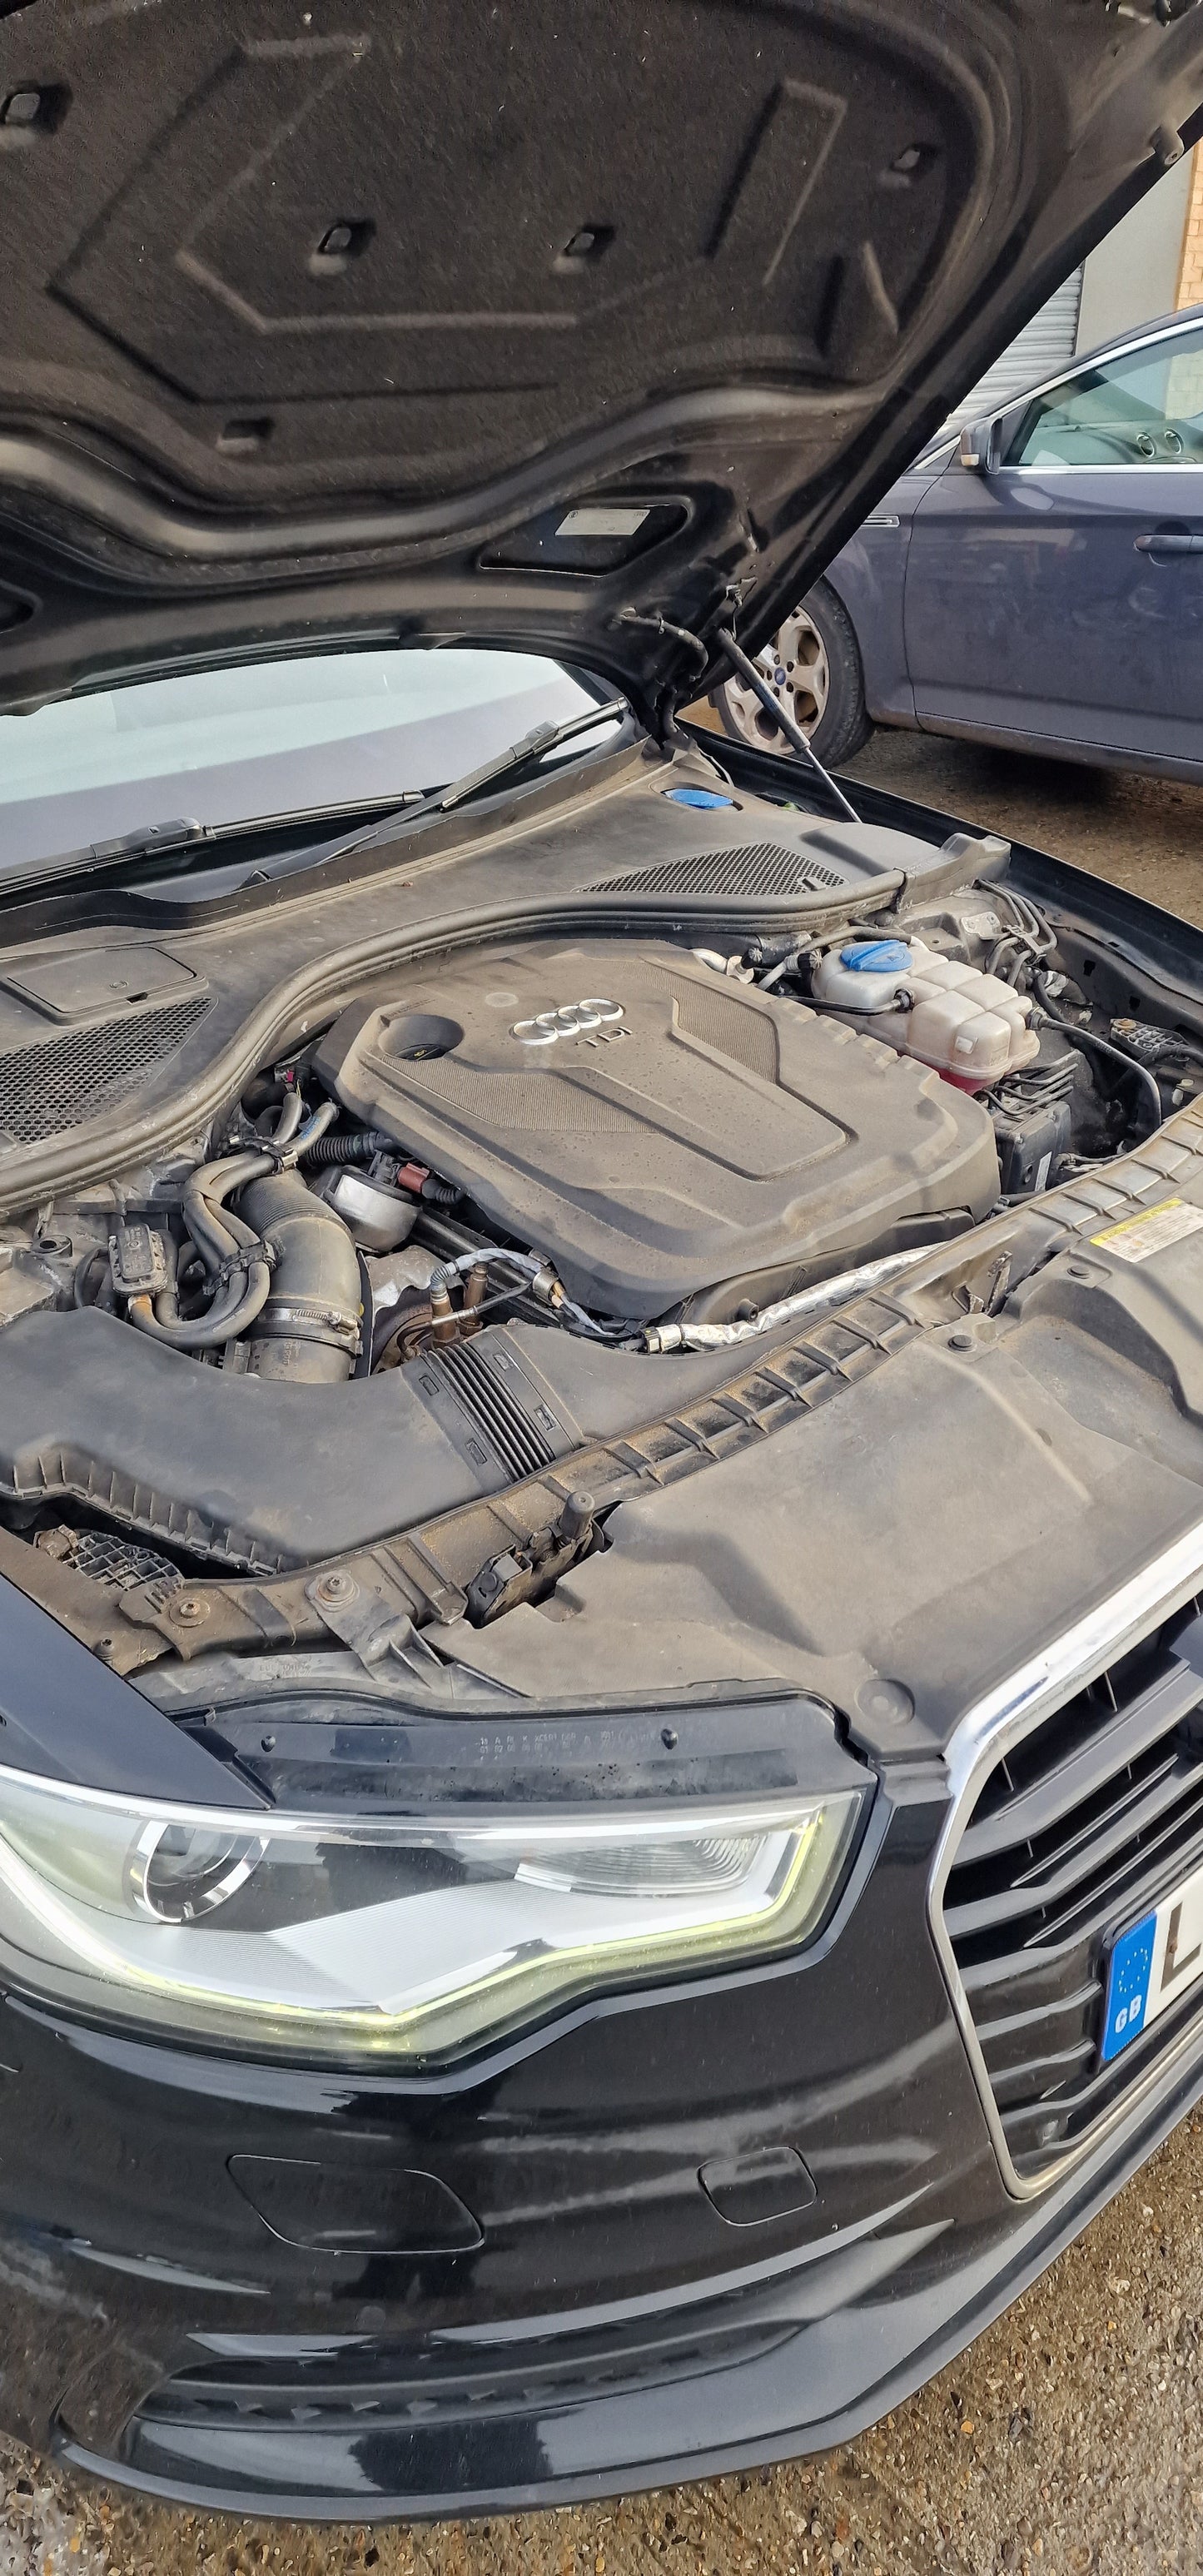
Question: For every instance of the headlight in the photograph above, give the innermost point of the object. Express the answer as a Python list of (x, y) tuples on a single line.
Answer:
[(413, 1940)]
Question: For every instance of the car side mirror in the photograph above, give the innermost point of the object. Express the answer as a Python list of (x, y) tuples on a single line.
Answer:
[(978, 447)]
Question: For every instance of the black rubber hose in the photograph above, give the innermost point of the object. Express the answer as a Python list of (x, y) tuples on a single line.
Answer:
[(1086, 1037), (216, 1241), (229, 1315), (79, 1284), (361, 1146), (230, 1249)]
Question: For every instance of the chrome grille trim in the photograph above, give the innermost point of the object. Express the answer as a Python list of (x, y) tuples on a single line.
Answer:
[(982, 1737)]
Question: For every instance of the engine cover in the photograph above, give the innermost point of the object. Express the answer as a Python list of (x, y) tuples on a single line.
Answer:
[(657, 1130)]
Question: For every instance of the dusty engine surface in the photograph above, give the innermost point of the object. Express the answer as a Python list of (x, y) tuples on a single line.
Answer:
[(513, 1203), (661, 1131)]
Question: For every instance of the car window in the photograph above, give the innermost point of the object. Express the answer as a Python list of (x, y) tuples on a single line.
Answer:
[(1142, 408), (272, 737)]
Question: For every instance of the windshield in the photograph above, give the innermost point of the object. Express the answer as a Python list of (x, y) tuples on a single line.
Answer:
[(263, 738)]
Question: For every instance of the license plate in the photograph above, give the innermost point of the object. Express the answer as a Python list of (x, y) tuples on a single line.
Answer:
[(1153, 1963)]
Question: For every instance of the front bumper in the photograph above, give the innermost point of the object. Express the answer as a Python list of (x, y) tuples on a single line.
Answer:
[(797, 2364), (610, 2330)]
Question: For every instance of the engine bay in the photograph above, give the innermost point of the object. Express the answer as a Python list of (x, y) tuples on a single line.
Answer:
[(511, 1204)]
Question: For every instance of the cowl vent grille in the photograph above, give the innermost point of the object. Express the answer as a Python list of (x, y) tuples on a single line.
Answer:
[(1077, 1832), (764, 868), (46, 1089)]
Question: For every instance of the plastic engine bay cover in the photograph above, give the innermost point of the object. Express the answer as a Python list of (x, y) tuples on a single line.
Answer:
[(654, 1128)]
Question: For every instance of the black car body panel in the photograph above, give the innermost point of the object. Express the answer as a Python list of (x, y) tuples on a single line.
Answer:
[(681, 2230), (169, 2342), (582, 1720), (613, 2327), (273, 367)]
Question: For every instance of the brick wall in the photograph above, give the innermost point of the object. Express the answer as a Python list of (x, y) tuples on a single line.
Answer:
[(1190, 274)]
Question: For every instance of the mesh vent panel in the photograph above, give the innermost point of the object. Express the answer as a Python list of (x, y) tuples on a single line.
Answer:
[(45, 1089), (763, 868), (104, 1558)]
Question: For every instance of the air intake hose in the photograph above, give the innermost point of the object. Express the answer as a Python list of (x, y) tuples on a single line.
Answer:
[(230, 1250), (360, 1146), (309, 1326)]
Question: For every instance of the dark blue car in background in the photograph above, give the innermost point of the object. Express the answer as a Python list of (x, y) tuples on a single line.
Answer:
[(1036, 581)]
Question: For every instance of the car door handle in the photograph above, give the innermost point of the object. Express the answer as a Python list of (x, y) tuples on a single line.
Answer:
[(1167, 541)]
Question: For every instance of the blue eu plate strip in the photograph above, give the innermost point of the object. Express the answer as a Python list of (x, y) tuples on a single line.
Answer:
[(1128, 1986)]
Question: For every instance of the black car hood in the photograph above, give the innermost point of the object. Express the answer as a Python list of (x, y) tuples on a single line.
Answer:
[(496, 319)]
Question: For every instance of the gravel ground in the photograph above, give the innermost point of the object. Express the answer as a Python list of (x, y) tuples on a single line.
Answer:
[(1144, 833), (1070, 2437)]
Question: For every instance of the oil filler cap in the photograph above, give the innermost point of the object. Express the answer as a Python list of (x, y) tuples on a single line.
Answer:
[(767, 2182)]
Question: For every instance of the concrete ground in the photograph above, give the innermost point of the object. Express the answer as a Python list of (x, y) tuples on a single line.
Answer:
[(1070, 2437), (1144, 833)]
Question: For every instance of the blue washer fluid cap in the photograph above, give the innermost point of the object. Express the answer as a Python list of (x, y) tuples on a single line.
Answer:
[(705, 797), (877, 957)]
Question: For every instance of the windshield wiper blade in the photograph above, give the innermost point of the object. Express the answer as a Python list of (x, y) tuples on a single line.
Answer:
[(163, 839), (98, 856), (517, 755)]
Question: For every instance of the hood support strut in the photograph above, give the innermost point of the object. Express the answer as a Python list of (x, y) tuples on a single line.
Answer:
[(740, 661)]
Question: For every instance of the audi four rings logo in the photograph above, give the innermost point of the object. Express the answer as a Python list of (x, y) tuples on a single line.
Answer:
[(570, 1020)]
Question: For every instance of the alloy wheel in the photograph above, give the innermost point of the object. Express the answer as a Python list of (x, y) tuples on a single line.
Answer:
[(795, 666)]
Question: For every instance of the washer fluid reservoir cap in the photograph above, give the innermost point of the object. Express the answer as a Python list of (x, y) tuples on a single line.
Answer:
[(877, 957)]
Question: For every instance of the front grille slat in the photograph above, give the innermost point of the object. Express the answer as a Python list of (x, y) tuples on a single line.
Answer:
[(1081, 2106), (1033, 1891), (1180, 1841), (1129, 1812), (1041, 2076), (991, 1977), (1034, 1811), (995, 2034), (1082, 1826)]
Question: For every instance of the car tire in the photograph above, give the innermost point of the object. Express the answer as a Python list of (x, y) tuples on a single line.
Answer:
[(813, 665)]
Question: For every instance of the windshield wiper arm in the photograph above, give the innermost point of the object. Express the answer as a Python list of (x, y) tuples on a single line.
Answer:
[(162, 839), (441, 800), (98, 856)]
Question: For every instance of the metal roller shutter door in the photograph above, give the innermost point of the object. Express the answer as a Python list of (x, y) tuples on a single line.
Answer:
[(1042, 347)]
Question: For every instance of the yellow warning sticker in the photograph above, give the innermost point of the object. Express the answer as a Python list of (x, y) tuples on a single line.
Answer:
[(1137, 1238)]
